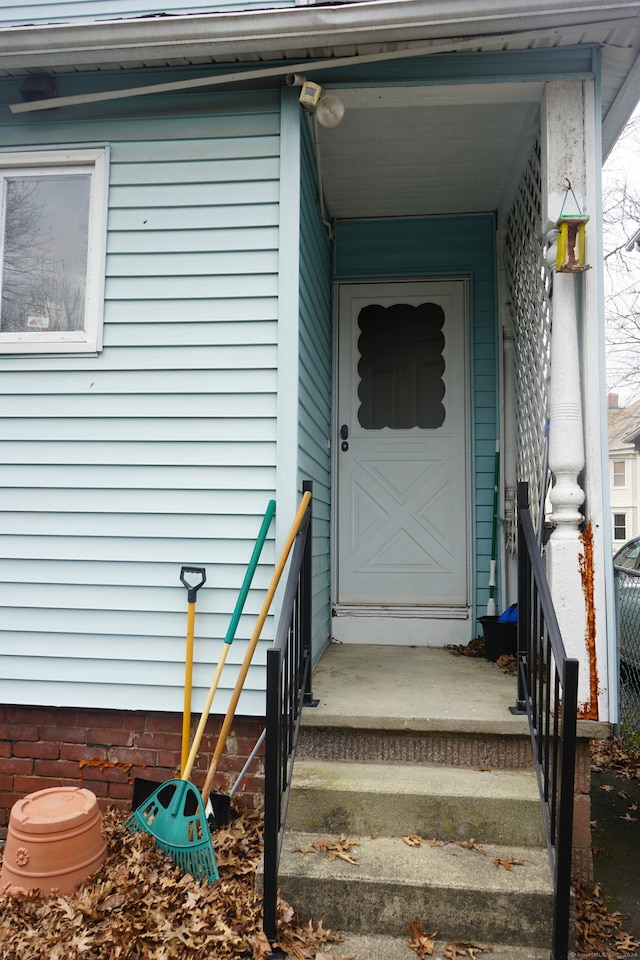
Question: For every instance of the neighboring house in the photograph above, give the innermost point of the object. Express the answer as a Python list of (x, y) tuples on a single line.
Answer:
[(624, 474), (207, 298)]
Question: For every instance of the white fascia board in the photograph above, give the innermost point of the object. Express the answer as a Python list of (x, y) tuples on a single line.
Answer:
[(282, 30)]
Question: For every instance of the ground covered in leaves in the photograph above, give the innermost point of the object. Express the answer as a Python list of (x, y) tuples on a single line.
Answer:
[(139, 906), (606, 913)]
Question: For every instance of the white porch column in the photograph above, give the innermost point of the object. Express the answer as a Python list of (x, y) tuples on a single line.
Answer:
[(564, 162)]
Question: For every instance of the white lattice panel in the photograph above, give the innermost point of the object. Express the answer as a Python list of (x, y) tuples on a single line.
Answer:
[(529, 283)]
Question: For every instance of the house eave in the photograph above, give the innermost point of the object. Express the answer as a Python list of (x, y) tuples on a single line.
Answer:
[(290, 32)]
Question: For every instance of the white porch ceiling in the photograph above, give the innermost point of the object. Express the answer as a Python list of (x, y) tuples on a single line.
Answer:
[(411, 151)]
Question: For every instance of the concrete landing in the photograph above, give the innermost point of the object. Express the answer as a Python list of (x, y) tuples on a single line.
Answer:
[(417, 689)]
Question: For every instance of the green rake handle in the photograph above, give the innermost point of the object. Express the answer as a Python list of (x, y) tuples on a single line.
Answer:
[(244, 590), (228, 720)]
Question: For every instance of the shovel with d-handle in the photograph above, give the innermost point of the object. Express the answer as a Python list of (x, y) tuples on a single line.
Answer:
[(142, 788), (246, 663), (192, 592)]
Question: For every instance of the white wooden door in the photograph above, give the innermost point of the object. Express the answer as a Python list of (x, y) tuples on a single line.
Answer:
[(403, 488)]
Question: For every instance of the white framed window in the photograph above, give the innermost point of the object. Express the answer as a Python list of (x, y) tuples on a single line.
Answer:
[(619, 473), (53, 208), (619, 526)]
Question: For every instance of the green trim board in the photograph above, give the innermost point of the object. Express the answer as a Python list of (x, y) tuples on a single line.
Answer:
[(580, 61), (444, 247), (481, 67), (315, 373)]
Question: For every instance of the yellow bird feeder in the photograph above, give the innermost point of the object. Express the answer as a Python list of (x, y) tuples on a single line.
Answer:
[(570, 255)]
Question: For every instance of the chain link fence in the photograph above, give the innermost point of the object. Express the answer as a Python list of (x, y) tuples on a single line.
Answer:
[(628, 602)]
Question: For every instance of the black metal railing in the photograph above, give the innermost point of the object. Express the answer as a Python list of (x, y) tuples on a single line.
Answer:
[(288, 691), (548, 694)]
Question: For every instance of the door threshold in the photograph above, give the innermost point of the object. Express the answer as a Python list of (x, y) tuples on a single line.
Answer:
[(394, 611), (402, 626)]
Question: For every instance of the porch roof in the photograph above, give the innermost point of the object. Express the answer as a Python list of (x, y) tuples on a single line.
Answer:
[(474, 132)]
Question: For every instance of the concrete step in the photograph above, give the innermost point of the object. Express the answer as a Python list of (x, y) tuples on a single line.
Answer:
[(396, 948), (449, 803), (500, 745), (459, 892)]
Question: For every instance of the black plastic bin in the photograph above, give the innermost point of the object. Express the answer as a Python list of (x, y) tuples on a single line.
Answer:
[(500, 637)]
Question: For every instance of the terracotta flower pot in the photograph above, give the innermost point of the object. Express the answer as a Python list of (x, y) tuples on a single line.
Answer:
[(55, 840)]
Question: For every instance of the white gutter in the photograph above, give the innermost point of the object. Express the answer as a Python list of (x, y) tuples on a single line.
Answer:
[(280, 32)]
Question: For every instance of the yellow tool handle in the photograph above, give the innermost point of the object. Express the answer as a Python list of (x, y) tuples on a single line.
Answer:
[(228, 720), (186, 773), (188, 681)]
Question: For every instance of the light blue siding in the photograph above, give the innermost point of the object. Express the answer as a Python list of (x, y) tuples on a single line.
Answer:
[(117, 469), (315, 384), (77, 11), (439, 247)]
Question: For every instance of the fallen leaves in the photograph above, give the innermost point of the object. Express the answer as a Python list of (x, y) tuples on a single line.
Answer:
[(414, 841), (612, 754), (597, 930), (509, 862), (103, 765), (424, 944), (460, 951), (475, 648), (470, 844), (507, 662), (139, 905), (628, 817), (335, 849)]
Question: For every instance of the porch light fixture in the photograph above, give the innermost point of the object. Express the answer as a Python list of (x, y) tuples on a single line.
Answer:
[(328, 108), (570, 255)]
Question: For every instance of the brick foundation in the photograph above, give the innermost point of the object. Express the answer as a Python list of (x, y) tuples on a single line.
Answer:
[(105, 750)]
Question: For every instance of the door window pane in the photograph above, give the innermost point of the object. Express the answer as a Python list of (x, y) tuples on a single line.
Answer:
[(401, 366)]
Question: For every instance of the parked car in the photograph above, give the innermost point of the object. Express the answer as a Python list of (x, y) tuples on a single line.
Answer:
[(626, 564)]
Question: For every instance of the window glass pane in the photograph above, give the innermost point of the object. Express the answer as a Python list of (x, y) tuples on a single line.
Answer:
[(45, 243), (401, 366), (619, 473), (620, 529)]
